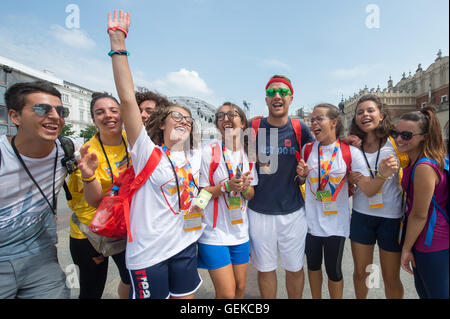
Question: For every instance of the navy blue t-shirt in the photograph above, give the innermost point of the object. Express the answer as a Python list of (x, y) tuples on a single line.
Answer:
[(277, 193)]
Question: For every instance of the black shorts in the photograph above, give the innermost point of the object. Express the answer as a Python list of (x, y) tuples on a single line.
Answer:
[(332, 248)]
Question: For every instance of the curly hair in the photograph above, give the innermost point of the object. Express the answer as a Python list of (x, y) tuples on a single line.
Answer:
[(384, 128), (160, 100), (153, 124)]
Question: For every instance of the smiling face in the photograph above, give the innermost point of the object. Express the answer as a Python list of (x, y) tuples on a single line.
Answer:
[(229, 126), (415, 143), (323, 128), (176, 130), (35, 127), (106, 116), (147, 108), (279, 106), (368, 116)]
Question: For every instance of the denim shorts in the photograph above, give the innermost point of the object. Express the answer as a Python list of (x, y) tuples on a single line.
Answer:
[(367, 230), (215, 256), (177, 276)]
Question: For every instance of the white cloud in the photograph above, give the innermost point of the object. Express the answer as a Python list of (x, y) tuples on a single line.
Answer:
[(75, 38)]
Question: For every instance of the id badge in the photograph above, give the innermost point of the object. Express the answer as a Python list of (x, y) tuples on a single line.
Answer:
[(322, 194), (329, 206), (192, 221), (234, 205), (376, 201)]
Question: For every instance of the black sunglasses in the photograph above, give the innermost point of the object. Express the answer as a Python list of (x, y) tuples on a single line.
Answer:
[(45, 109), (405, 135)]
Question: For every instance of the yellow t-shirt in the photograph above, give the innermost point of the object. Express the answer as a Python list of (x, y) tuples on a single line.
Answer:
[(117, 157)]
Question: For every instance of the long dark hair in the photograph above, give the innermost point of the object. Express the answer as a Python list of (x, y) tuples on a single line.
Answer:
[(384, 128)]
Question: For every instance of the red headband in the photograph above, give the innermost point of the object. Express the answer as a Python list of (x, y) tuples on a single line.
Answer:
[(282, 81)]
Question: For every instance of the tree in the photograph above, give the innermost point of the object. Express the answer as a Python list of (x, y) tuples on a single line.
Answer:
[(88, 132), (67, 130)]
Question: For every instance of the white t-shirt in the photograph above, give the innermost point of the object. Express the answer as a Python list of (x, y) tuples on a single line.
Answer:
[(27, 223), (391, 190), (157, 227), (325, 225), (224, 233)]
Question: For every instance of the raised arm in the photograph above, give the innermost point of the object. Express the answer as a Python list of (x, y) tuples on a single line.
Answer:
[(122, 75)]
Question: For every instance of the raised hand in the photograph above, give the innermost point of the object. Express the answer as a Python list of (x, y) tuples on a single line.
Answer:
[(88, 162), (118, 25), (388, 166)]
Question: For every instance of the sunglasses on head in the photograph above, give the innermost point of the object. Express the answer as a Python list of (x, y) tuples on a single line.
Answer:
[(405, 135), (231, 115), (282, 92), (45, 109), (177, 117)]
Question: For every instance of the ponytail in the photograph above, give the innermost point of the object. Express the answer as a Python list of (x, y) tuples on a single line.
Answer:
[(433, 144)]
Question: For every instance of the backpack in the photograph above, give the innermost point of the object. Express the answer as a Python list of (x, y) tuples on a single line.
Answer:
[(112, 218), (298, 135), (347, 156), (432, 223)]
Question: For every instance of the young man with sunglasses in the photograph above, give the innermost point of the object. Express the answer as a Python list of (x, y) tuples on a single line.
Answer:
[(276, 212), (31, 174)]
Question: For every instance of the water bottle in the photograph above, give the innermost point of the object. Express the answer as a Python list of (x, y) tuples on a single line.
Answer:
[(114, 191)]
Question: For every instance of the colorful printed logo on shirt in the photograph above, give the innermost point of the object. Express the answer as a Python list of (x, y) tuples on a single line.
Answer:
[(185, 197)]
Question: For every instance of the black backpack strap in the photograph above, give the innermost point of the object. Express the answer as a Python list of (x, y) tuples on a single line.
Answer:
[(69, 151)]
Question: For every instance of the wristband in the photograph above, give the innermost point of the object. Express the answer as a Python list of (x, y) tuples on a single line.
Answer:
[(383, 177), (202, 199), (247, 190), (226, 186), (118, 28), (88, 180), (120, 52)]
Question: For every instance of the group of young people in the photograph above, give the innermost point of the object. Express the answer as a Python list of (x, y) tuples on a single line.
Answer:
[(252, 207)]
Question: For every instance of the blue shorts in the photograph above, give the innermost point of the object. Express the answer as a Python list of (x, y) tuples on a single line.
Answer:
[(215, 256), (177, 276), (367, 230), (431, 274)]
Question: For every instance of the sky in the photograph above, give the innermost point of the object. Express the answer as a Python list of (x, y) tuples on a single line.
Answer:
[(221, 51)]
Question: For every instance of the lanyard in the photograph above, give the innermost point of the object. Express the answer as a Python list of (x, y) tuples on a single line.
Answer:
[(226, 158), (107, 160), (188, 185), (326, 170), (53, 207), (376, 162)]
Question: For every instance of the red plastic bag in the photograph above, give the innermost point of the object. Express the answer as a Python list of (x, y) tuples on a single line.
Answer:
[(109, 220)]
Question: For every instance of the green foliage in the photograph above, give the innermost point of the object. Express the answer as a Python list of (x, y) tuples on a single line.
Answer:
[(88, 132)]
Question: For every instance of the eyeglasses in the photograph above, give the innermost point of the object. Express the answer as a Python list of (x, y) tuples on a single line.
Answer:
[(282, 92), (405, 135), (177, 117), (45, 109), (318, 119), (231, 115)]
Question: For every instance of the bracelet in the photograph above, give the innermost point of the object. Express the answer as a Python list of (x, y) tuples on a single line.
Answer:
[(119, 52), (88, 180), (226, 186), (383, 177), (247, 190), (118, 28)]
